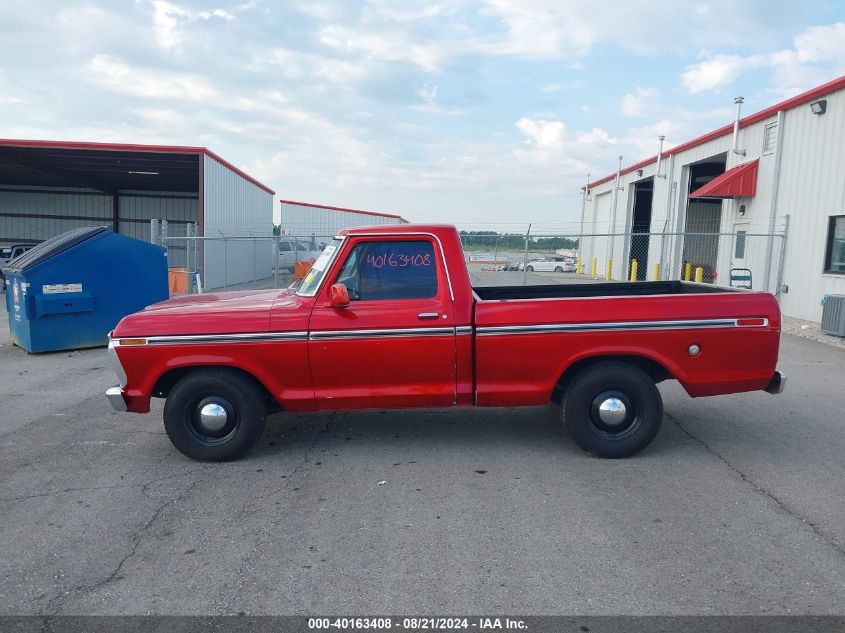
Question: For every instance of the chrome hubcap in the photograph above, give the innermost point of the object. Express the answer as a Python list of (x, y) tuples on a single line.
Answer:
[(612, 411), (212, 417)]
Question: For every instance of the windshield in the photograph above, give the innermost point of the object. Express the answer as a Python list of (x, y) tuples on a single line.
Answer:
[(311, 281)]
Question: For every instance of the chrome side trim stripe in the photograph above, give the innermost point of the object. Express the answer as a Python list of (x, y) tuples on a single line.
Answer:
[(256, 337), (461, 330), (398, 332), (614, 326)]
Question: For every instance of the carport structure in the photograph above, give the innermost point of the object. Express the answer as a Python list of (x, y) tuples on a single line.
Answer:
[(48, 187)]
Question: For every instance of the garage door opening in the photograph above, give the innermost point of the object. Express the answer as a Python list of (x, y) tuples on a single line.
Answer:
[(703, 219), (641, 226)]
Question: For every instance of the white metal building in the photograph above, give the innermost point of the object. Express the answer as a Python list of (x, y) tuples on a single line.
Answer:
[(303, 219), (778, 179), (48, 187)]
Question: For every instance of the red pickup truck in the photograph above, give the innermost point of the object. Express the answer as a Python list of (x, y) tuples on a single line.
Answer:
[(387, 319)]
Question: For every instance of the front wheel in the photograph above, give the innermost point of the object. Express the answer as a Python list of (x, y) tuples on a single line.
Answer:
[(215, 414), (612, 410), (530, 269)]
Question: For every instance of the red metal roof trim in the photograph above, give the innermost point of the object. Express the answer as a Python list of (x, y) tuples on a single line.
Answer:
[(133, 147), (792, 102), (739, 181), (344, 209)]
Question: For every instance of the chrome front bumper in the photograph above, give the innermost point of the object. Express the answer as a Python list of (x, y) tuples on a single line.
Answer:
[(777, 384), (115, 396)]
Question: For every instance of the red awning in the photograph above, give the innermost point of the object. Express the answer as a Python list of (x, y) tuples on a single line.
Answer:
[(740, 181)]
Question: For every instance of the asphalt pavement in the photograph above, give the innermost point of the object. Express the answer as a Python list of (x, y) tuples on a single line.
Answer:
[(736, 508)]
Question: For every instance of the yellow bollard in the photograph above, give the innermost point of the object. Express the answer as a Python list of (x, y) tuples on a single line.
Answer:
[(634, 270), (657, 271), (699, 274), (595, 267), (687, 271), (609, 272), (578, 265)]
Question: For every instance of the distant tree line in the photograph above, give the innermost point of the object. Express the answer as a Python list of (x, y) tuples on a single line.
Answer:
[(515, 241)]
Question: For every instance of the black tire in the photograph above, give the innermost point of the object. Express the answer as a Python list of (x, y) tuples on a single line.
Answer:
[(558, 269), (597, 431), (238, 396), (530, 269)]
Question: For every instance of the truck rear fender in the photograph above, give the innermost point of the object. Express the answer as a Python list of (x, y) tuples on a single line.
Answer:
[(658, 369)]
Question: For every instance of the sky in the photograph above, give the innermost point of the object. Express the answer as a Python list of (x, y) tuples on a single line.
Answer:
[(479, 113)]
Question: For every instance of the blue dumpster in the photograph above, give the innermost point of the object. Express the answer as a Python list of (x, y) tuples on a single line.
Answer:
[(70, 291)]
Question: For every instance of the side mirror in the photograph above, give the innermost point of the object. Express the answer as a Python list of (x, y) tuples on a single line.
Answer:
[(338, 296)]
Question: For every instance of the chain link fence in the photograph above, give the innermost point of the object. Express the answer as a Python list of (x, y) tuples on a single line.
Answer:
[(743, 258), (234, 262), (740, 259)]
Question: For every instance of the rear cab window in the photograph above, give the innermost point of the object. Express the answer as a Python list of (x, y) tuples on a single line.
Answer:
[(390, 270)]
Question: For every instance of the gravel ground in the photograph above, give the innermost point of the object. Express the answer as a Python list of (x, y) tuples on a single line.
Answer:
[(810, 330)]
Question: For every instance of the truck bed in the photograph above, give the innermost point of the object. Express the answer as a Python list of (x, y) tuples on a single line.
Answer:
[(527, 336), (610, 289)]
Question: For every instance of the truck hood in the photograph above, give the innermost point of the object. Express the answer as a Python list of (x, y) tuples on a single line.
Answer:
[(216, 313)]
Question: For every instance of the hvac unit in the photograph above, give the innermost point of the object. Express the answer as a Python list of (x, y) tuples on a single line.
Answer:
[(833, 315)]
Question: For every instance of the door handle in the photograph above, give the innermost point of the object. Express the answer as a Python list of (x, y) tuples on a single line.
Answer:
[(427, 315)]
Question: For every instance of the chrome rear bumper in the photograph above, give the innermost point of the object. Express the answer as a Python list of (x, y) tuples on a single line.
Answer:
[(777, 384), (115, 396)]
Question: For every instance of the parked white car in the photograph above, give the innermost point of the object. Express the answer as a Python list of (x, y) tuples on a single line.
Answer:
[(555, 264), (292, 250), (8, 253)]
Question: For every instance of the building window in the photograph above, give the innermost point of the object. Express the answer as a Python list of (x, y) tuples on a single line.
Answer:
[(770, 138), (835, 256), (739, 245)]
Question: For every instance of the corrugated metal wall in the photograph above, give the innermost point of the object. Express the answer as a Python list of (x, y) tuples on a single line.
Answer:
[(304, 220), (137, 210), (34, 214), (235, 207), (810, 189)]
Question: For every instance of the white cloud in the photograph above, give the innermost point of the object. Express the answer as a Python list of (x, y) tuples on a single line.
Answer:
[(430, 104), (169, 21), (793, 67), (595, 136), (552, 88), (115, 75), (641, 103), (434, 34), (298, 65), (544, 135), (393, 45), (717, 71)]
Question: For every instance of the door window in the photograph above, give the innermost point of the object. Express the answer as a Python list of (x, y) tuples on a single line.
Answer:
[(739, 244), (390, 270)]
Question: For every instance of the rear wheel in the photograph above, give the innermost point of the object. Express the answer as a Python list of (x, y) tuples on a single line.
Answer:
[(612, 410), (558, 269), (215, 414), (530, 269)]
